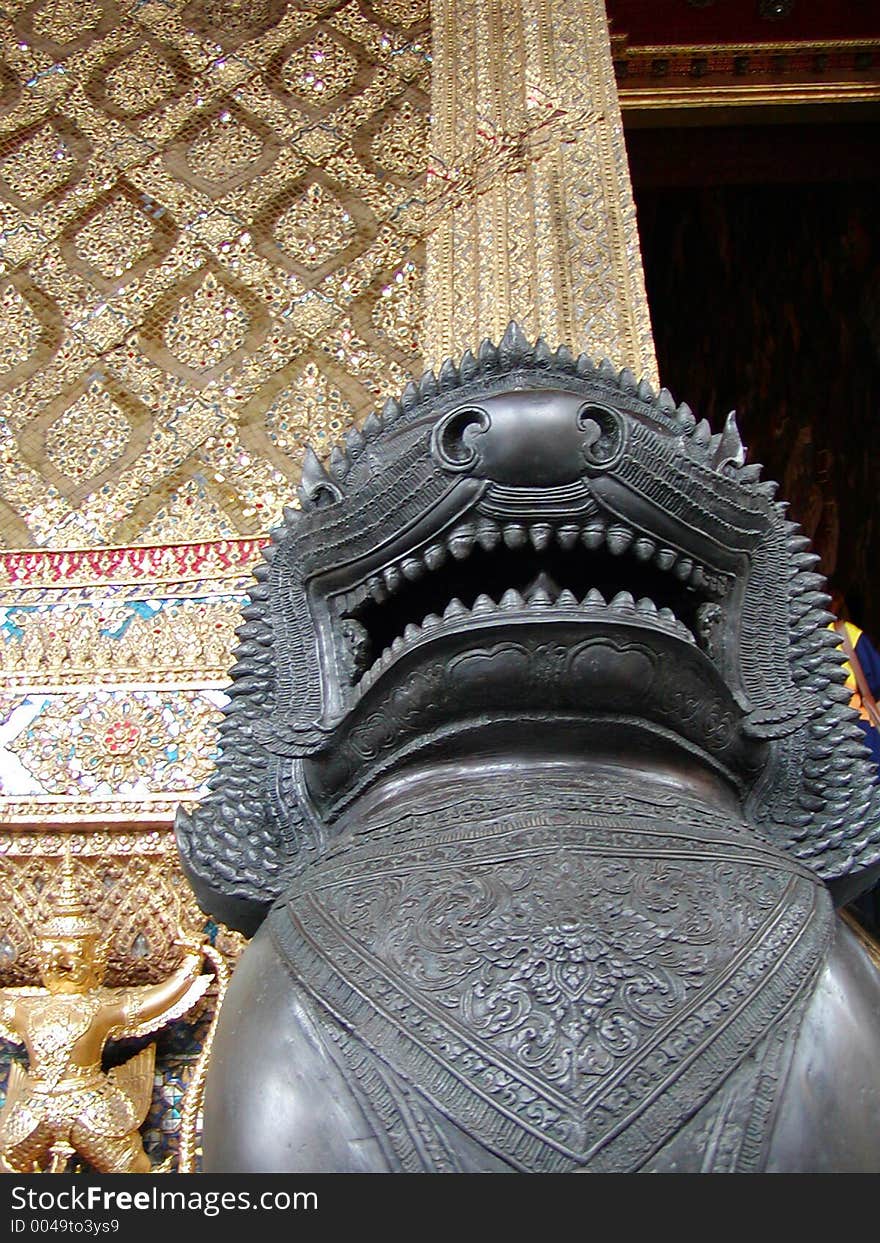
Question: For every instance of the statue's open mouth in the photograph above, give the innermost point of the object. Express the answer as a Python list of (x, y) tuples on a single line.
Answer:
[(570, 633), (484, 572)]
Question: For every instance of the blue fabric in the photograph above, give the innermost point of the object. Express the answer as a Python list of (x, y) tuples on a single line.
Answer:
[(869, 658)]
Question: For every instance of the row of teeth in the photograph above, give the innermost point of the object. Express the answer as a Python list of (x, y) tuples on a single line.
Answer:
[(593, 535), (538, 599)]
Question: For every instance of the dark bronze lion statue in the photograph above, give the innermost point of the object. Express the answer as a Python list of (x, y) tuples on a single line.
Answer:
[(538, 787)]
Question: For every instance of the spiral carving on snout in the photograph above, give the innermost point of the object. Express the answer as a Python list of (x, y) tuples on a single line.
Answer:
[(604, 436), (452, 438)]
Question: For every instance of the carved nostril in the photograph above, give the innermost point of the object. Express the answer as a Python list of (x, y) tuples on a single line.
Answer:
[(453, 436), (604, 436)]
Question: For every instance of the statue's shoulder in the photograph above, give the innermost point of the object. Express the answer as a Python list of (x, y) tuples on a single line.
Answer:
[(13, 1001)]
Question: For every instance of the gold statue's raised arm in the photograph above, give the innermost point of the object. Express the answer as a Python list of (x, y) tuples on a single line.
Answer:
[(144, 1009), (64, 1103)]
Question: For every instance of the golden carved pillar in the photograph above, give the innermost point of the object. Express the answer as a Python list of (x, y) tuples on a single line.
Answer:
[(530, 207)]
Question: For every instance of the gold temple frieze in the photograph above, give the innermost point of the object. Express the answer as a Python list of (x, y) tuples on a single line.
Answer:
[(113, 751), (659, 77), (92, 835), (174, 566), (58, 814), (717, 95), (113, 664), (130, 879)]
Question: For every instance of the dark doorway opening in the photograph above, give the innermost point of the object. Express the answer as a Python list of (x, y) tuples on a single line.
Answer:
[(761, 247)]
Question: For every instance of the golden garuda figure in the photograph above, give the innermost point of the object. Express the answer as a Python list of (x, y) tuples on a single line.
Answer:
[(64, 1103)]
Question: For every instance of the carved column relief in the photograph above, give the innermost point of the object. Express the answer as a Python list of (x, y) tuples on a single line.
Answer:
[(530, 207)]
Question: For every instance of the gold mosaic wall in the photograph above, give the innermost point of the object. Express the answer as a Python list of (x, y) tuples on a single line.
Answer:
[(210, 214)]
